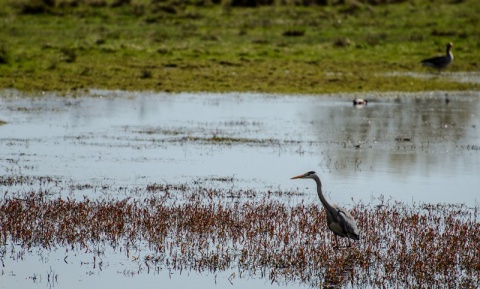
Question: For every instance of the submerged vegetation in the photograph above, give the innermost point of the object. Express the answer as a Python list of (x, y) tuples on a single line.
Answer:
[(301, 46), (184, 227)]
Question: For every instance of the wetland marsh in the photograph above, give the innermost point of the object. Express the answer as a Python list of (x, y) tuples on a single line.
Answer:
[(154, 187), (148, 143)]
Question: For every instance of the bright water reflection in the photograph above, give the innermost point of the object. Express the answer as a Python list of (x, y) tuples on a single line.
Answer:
[(407, 146)]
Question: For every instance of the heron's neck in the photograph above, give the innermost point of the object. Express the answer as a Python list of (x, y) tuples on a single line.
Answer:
[(321, 196)]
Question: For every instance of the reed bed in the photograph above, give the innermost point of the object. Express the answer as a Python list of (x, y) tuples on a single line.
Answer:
[(201, 229)]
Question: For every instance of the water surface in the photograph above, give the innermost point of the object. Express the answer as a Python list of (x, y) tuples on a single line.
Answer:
[(411, 147), (421, 148)]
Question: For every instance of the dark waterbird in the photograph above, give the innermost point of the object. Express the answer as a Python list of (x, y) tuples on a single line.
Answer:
[(440, 62), (339, 220)]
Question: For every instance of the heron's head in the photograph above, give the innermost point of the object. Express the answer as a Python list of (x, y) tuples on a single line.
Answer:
[(307, 175)]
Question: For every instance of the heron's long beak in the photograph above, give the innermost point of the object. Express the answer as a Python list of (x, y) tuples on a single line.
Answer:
[(297, 177)]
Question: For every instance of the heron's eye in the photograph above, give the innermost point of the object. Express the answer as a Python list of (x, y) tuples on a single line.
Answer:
[(310, 173)]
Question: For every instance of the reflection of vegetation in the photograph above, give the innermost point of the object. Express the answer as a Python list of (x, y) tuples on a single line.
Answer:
[(307, 46), (194, 228), (409, 130)]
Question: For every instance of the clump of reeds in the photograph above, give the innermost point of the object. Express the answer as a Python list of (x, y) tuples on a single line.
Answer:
[(4, 55), (35, 6), (417, 246)]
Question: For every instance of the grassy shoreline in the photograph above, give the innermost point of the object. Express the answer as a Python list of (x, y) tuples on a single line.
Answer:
[(219, 48)]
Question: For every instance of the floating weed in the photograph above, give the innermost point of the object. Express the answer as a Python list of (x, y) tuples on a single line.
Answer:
[(13, 180), (216, 139), (470, 147), (222, 179), (201, 135), (417, 246)]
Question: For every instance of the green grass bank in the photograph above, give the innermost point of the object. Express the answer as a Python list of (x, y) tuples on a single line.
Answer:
[(251, 45)]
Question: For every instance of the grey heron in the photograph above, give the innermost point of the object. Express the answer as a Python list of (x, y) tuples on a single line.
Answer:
[(339, 220)]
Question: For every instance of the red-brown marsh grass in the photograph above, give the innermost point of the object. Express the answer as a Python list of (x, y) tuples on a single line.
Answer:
[(407, 246)]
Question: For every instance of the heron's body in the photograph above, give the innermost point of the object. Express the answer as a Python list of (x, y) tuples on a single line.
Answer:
[(440, 62), (339, 221), (348, 228)]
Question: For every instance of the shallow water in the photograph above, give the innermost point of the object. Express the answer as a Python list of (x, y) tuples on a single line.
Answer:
[(408, 147), (60, 269)]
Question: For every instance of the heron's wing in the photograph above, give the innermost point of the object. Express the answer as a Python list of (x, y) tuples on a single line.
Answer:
[(346, 221)]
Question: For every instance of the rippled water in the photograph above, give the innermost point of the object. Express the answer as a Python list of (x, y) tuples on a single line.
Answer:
[(409, 147)]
